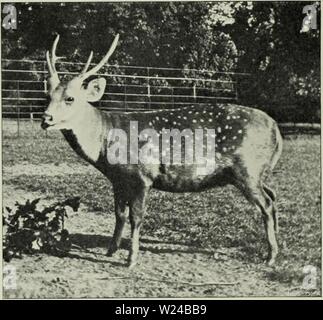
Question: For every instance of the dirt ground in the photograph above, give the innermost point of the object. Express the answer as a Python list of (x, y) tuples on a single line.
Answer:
[(164, 270)]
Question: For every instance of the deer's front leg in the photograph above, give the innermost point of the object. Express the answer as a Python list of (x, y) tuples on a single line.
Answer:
[(137, 210), (121, 216)]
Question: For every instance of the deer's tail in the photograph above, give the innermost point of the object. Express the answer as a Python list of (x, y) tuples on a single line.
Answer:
[(278, 148)]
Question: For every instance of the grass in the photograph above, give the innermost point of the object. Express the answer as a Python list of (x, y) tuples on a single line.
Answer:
[(215, 218)]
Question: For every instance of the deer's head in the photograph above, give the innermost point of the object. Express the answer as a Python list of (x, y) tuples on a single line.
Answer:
[(69, 100)]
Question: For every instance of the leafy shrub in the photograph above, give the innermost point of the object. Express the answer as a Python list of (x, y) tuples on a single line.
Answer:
[(29, 230)]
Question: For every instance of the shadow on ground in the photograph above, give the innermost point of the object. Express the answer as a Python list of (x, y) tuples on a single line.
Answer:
[(88, 241)]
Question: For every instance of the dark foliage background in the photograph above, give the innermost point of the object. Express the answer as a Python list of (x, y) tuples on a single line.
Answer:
[(261, 38)]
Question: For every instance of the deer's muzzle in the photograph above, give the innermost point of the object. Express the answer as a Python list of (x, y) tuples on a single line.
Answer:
[(47, 121)]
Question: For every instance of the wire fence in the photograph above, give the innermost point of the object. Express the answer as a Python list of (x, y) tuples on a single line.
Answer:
[(130, 88)]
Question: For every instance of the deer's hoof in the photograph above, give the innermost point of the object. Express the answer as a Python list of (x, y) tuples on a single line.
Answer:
[(271, 262), (131, 263)]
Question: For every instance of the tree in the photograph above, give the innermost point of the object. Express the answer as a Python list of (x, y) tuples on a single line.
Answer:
[(285, 63), (165, 34), (260, 38)]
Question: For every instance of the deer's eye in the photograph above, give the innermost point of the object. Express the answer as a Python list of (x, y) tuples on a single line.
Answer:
[(69, 100)]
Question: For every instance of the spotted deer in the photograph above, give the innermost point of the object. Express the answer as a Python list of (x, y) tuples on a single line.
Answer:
[(248, 145)]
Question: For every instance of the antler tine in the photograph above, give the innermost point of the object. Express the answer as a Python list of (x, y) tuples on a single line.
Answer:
[(50, 67), (51, 60), (87, 63), (54, 57), (102, 62)]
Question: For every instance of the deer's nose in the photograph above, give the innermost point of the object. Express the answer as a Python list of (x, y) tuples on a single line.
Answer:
[(47, 117)]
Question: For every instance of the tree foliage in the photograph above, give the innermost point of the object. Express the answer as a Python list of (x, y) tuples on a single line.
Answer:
[(285, 63), (260, 38)]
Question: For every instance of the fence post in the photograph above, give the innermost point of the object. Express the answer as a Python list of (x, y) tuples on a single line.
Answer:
[(32, 121), (45, 82), (45, 86), (194, 92), (125, 96), (148, 88), (18, 109), (236, 89), (173, 101), (45, 91)]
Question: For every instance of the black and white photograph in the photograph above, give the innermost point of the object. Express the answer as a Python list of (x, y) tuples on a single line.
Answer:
[(161, 150)]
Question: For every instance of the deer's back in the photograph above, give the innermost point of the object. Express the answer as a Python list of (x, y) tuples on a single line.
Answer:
[(243, 136)]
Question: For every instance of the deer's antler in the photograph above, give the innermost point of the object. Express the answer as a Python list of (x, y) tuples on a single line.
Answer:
[(51, 62), (85, 74), (87, 63), (52, 59)]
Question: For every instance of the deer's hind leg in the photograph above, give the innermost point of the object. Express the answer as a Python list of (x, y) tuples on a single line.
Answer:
[(260, 196), (272, 195)]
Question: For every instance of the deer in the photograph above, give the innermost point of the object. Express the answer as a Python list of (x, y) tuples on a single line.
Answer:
[(248, 145)]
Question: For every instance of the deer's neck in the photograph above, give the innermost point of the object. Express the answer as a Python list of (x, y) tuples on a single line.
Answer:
[(89, 133)]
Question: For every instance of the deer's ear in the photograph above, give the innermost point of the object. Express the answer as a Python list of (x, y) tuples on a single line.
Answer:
[(95, 89)]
